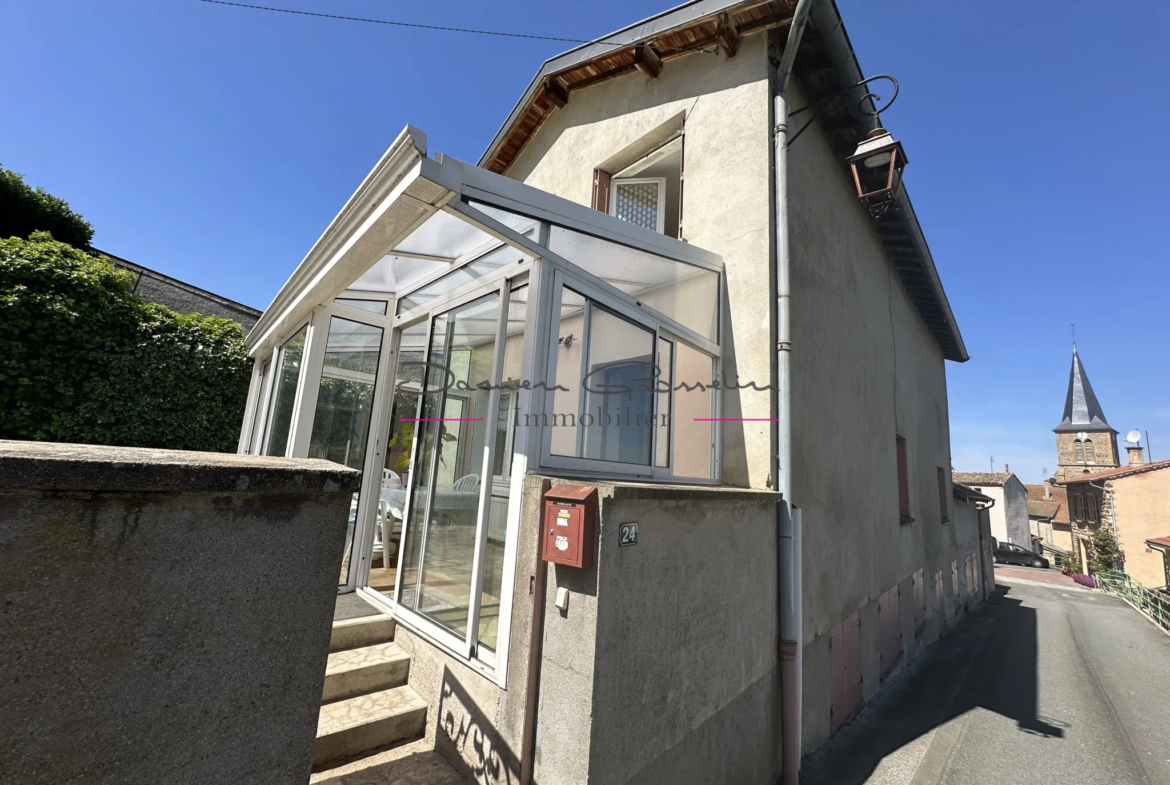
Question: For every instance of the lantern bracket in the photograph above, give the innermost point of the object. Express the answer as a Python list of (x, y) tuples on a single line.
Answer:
[(828, 100)]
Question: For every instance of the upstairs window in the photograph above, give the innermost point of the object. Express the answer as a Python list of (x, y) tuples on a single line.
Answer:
[(1078, 451), (1094, 509), (1090, 456), (647, 192)]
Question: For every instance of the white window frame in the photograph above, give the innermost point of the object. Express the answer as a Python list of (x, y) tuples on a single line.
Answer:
[(661, 208)]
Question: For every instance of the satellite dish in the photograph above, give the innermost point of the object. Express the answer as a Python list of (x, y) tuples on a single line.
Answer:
[(1082, 435), (1133, 437)]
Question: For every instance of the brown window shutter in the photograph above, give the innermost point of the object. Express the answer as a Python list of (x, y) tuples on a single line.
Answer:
[(601, 190), (903, 479)]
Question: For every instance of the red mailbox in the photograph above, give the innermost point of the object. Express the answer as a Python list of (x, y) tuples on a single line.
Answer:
[(570, 520)]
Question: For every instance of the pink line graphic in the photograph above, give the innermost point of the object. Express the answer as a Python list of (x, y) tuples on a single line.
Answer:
[(442, 419), (736, 419)]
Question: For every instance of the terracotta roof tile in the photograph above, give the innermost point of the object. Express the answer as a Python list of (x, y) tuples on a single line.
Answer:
[(1121, 471), (1160, 542), (981, 478), (1057, 494), (1042, 509)]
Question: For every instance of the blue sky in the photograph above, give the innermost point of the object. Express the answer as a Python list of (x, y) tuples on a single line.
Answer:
[(214, 144)]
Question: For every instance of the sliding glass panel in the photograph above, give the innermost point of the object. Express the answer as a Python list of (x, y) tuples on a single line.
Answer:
[(396, 472), (504, 434), (341, 423), (258, 417), (693, 410), (285, 393), (440, 549)]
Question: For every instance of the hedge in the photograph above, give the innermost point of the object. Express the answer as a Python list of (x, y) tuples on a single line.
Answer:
[(83, 359), (24, 210)]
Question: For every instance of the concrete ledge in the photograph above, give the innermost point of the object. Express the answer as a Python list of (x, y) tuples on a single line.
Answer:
[(647, 491), (47, 466)]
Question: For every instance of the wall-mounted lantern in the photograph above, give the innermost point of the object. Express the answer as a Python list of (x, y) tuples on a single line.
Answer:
[(877, 170)]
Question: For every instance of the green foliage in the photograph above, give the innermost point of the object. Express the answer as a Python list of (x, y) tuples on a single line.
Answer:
[(24, 210), (1071, 561), (1106, 555), (83, 359)]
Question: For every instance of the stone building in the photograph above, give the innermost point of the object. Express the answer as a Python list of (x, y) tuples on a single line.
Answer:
[(1134, 502), (1085, 442), (1048, 513)]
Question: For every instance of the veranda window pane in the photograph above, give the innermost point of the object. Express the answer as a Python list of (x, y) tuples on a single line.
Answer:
[(373, 306), (663, 385), (616, 424), (684, 292), (285, 393), (258, 417), (504, 436), (693, 410), (567, 389), (341, 422)]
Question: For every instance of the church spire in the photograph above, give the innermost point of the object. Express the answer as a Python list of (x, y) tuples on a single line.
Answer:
[(1082, 412)]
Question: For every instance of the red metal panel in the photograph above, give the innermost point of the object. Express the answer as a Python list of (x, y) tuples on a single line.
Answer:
[(889, 628), (851, 642), (837, 710), (940, 607)]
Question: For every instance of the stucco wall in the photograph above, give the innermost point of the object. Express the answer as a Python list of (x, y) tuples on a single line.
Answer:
[(165, 615), (997, 513), (1015, 505), (1141, 505), (724, 104)]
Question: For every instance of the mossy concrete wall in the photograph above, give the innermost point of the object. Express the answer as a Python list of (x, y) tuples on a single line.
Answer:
[(165, 615)]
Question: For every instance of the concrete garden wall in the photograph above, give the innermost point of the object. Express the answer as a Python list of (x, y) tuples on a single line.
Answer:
[(165, 614)]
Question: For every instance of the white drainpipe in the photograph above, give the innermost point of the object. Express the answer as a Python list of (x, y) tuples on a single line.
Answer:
[(788, 578)]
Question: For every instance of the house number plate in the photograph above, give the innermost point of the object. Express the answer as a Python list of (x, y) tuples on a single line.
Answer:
[(627, 534)]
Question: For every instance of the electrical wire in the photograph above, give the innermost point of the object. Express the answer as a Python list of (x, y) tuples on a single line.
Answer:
[(416, 26)]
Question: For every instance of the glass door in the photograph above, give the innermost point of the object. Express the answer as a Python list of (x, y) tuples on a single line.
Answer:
[(440, 564)]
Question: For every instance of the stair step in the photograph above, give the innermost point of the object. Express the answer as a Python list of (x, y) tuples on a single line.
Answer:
[(364, 631), (358, 671), (356, 725)]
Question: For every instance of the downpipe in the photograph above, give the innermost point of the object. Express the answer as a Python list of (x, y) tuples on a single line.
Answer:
[(788, 578)]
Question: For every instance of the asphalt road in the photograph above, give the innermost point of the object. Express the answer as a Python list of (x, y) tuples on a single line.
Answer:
[(1043, 684)]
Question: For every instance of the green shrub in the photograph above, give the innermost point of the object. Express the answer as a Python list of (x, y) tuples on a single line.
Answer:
[(83, 359), (24, 210), (1105, 555)]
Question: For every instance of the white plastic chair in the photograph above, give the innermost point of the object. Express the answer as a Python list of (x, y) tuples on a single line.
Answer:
[(468, 483)]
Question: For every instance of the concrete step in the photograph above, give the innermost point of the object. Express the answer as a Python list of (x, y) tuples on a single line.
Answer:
[(353, 726), (364, 631), (368, 669)]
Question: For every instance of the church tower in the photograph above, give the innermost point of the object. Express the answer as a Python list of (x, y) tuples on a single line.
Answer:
[(1085, 442)]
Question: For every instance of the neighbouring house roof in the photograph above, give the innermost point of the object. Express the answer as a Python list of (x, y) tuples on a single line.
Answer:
[(181, 296), (1057, 494), (963, 493), (1161, 543), (826, 68), (1113, 474), (1042, 509), (982, 478), (1082, 411)]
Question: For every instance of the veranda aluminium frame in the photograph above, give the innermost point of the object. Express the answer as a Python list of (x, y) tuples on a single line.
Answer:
[(417, 227)]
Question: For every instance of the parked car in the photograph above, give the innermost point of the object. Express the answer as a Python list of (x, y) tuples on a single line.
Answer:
[(1007, 553)]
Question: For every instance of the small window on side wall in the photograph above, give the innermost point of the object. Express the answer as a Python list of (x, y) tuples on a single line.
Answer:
[(942, 495), (903, 482)]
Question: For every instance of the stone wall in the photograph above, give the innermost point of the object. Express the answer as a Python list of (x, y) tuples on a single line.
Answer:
[(1104, 452), (165, 615)]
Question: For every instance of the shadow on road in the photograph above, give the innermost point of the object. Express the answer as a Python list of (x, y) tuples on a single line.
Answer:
[(989, 661)]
